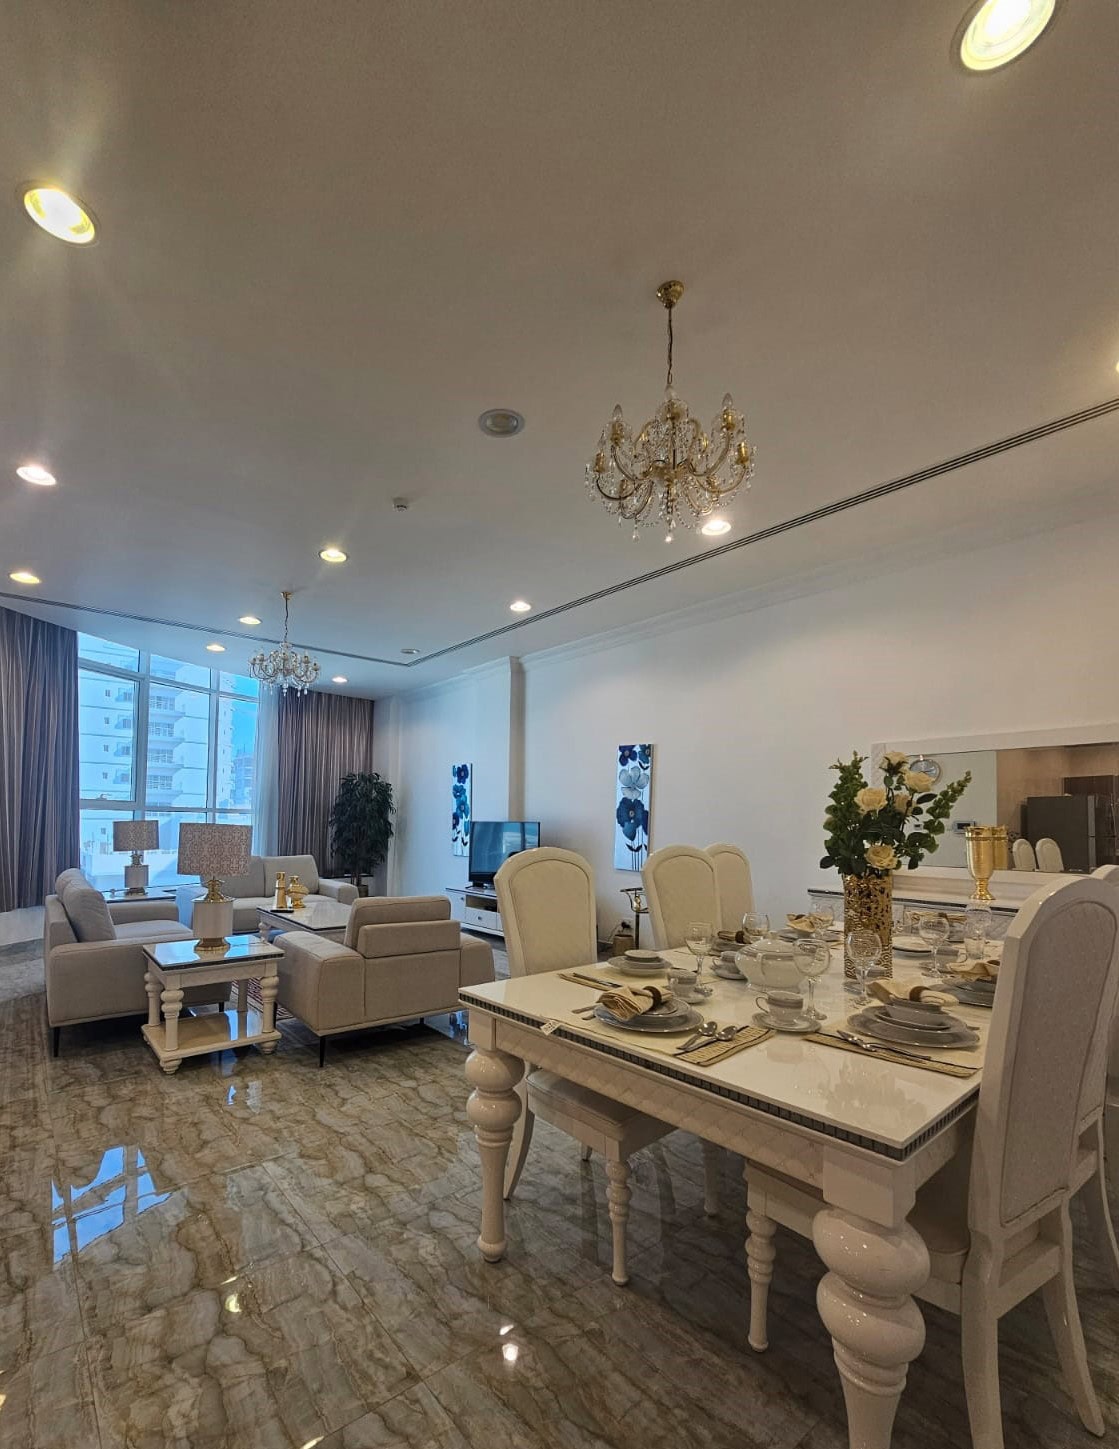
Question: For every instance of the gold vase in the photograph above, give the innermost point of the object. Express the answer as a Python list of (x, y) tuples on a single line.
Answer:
[(868, 905), (987, 852)]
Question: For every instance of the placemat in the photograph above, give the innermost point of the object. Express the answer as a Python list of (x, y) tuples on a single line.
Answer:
[(715, 1051), (943, 1068)]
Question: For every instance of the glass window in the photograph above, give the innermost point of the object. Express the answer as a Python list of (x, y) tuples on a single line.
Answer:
[(103, 651), (106, 730), (101, 863), (236, 753), (182, 716), (183, 673), (163, 864), (239, 684)]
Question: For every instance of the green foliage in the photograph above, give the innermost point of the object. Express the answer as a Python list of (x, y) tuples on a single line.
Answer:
[(904, 820), (360, 828)]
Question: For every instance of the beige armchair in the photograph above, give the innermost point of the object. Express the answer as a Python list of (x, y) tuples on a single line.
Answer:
[(401, 958)]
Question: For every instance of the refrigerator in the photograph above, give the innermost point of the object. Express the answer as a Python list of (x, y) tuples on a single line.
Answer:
[(1083, 825)]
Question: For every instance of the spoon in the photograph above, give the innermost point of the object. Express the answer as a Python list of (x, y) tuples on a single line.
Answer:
[(706, 1028), (873, 1046)]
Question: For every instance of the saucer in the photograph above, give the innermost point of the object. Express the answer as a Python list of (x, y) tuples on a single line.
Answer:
[(798, 1027), (636, 968), (728, 973), (872, 1022)]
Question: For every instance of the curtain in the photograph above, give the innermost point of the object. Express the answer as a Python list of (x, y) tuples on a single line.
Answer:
[(322, 737), (266, 775), (38, 757)]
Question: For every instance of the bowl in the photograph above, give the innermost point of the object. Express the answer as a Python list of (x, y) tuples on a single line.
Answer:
[(915, 1013), (643, 958)]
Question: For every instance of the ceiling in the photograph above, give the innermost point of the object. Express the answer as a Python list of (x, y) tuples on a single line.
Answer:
[(332, 235)]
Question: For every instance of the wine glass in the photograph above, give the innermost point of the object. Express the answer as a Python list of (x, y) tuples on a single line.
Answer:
[(755, 925), (697, 938), (821, 914), (813, 957), (977, 930), (934, 930), (864, 948)]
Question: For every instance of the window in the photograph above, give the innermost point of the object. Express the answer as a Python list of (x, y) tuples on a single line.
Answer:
[(182, 746)]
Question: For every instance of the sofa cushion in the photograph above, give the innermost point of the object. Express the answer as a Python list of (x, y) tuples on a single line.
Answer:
[(420, 986), (389, 910), (250, 883), (73, 876), (87, 911), (301, 865), (408, 938), (148, 931)]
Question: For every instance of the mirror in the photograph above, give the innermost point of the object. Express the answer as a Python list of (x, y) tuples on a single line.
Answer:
[(1065, 794)]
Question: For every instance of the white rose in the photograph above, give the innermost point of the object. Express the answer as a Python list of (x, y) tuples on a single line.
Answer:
[(881, 857), (871, 798), (902, 800), (917, 781), (893, 760)]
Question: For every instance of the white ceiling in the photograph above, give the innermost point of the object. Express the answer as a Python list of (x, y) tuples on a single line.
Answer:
[(331, 235)]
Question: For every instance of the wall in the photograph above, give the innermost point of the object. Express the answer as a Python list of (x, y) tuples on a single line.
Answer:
[(747, 709)]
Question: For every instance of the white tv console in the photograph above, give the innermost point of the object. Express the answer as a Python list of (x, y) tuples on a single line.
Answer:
[(476, 907)]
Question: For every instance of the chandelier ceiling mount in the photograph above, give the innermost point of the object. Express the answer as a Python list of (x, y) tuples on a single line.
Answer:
[(285, 666)]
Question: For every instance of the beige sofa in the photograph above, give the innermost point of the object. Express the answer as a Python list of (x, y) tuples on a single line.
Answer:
[(257, 887), (93, 953), (402, 957)]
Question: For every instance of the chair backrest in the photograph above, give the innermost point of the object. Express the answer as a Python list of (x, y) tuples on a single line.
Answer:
[(547, 904), (394, 910), (1048, 854), (1022, 853), (680, 886), (1057, 992), (736, 885), (1110, 874)]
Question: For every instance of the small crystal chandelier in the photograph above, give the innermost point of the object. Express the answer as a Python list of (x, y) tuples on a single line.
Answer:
[(673, 472), (284, 666)]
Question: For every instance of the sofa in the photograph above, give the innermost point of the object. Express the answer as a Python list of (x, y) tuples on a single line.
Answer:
[(401, 958), (257, 887), (93, 954)]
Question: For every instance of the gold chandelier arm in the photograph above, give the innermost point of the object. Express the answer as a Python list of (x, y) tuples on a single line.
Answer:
[(717, 463), (627, 490), (635, 478)]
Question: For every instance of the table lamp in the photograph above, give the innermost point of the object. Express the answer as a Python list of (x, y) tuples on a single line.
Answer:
[(213, 852), (136, 836)]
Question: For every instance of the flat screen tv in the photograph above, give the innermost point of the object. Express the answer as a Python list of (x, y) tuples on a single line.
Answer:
[(492, 842)]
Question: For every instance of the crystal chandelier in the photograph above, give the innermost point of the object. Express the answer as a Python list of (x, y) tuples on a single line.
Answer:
[(284, 666), (673, 472)]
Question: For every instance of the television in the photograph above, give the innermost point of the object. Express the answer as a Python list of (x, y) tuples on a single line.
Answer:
[(492, 842)]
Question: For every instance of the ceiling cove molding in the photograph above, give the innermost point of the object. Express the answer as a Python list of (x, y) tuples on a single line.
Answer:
[(506, 665)]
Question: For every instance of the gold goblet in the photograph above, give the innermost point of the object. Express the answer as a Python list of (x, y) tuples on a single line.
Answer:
[(986, 853)]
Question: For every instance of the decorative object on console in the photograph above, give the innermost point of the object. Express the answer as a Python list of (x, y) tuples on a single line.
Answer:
[(636, 897), (360, 825), (296, 892), (871, 829), (136, 836), (213, 852), (461, 794), (631, 815), (673, 472), (987, 851), (284, 666), (280, 897)]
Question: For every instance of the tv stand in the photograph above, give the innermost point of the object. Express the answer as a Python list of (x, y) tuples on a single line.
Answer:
[(476, 908)]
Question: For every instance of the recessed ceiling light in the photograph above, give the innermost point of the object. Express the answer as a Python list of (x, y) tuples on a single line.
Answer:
[(63, 215), (501, 423), (520, 606), (36, 473), (995, 32), (216, 648), (409, 650), (248, 619), (332, 555), (24, 576), (715, 526), (339, 679)]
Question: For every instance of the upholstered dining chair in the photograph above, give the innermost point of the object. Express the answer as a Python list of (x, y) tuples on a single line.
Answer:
[(1048, 854), (995, 1218), (736, 885), (1022, 854), (1102, 1137), (547, 902), (681, 886)]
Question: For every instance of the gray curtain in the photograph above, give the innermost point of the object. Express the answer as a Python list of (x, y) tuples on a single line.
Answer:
[(322, 738), (38, 757)]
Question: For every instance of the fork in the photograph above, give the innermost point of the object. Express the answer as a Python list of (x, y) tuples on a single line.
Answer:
[(873, 1046)]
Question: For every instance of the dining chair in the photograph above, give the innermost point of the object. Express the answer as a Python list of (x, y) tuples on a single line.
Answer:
[(736, 885), (1022, 854), (681, 886), (547, 902), (1102, 1140), (995, 1218), (1048, 854)]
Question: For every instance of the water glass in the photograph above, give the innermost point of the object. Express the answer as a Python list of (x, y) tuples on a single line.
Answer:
[(977, 931), (698, 938), (822, 915), (865, 949), (813, 957), (934, 930), (755, 925)]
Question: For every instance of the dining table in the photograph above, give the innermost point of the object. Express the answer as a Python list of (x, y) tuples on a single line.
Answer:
[(863, 1128)]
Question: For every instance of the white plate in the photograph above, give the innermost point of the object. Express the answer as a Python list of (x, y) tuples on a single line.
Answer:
[(631, 968), (873, 1023), (686, 1019), (728, 973), (911, 946), (802, 1025), (643, 958)]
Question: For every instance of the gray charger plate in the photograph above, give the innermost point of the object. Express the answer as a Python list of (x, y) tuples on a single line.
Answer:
[(873, 1023), (684, 1020)]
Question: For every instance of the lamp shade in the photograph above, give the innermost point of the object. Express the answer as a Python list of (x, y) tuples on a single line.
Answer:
[(135, 834), (214, 851)]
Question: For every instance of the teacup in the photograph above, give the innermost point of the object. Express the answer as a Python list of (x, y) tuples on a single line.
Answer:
[(785, 1008), (684, 983)]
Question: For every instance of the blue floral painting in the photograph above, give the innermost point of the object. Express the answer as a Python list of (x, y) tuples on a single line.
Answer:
[(461, 776), (631, 814)]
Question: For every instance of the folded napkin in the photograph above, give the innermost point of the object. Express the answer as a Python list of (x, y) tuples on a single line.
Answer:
[(627, 1001), (802, 923), (731, 938), (888, 990), (978, 971)]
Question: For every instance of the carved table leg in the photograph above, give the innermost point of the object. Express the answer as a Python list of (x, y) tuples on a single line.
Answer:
[(760, 1253), (172, 1001), (712, 1167), (151, 986), (617, 1197), (269, 985), (493, 1107), (866, 1304)]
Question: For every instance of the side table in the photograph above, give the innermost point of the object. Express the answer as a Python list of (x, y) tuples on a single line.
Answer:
[(175, 964)]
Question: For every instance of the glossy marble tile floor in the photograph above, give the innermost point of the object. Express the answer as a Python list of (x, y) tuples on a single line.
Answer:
[(258, 1253)]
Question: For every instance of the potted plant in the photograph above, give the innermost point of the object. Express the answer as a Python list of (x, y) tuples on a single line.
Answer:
[(360, 827), (871, 829)]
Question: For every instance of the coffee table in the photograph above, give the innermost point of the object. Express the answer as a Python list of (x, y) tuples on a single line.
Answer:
[(324, 918), (175, 964)]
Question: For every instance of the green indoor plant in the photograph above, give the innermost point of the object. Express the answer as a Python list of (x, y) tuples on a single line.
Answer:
[(360, 827)]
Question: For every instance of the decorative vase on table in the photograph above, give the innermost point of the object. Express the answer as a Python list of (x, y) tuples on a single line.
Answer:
[(871, 830)]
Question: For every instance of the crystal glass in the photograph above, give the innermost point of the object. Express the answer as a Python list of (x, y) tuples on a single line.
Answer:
[(821, 914), (755, 925), (977, 931), (697, 938), (934, 930), (813, 957), (864, 948)]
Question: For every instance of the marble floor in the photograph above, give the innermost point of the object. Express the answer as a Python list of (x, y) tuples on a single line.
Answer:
[(256, 1254)]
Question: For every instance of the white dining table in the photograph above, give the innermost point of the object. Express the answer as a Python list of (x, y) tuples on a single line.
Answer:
[(864, 1131)]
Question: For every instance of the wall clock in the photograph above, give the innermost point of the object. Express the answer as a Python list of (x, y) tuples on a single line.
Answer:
[(930, 767)]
